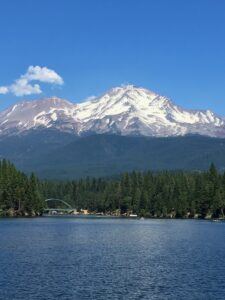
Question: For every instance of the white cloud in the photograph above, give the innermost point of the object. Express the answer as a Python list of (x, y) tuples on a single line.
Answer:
[(42, 74), (22, 86), (4, 90)]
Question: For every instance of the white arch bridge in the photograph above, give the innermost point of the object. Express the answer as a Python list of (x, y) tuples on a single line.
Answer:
[(67, 209)]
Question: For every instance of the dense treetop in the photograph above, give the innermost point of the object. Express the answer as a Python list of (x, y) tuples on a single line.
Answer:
[(163, 194), (18, 192)]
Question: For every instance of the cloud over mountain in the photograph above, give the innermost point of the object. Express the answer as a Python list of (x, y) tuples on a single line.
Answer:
[(25, 86)]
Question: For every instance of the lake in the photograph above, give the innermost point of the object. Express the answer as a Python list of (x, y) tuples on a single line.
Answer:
[(106, 258)]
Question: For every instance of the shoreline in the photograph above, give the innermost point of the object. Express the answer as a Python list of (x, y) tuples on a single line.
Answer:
[(95, 216)]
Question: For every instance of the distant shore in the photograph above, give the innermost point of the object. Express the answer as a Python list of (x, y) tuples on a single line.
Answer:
[(21, 214)]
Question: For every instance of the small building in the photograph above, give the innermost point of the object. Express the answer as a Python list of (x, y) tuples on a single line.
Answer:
[(84, 211)]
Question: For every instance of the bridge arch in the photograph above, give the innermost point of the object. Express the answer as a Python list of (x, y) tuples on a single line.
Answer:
[(59, 200)]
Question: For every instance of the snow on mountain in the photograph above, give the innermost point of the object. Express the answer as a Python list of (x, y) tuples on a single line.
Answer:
[(130, 110), (125, 110), (46, 113)]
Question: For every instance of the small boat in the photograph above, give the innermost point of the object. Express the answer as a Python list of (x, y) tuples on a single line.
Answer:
[(133, 216)]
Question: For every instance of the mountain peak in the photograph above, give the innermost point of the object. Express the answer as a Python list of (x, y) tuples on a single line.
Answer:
[(125, 110), (131, 89), (54, 101)]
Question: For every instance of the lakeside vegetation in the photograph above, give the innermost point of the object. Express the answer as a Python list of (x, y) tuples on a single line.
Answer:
[(162, 195), (20, 195)]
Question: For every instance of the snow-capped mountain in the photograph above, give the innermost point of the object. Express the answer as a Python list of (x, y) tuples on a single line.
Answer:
[(45, 113), (125, 110)]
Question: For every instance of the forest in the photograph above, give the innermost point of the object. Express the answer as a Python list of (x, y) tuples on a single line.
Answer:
[(165, 194), (19, 193)]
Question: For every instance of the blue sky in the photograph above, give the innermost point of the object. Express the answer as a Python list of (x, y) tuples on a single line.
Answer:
[(176, 48)]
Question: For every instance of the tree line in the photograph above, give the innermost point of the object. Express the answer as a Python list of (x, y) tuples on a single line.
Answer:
[(19, 193), (163, 194)]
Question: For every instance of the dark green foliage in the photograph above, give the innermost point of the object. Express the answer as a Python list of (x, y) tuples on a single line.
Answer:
[(19, 194), (54, 155), (163, 194), (107, 155)]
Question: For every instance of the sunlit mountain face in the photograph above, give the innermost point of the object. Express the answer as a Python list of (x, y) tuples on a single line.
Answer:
[(125, 110)]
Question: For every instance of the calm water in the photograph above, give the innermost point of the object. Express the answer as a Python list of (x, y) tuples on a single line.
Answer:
[(87, 258)]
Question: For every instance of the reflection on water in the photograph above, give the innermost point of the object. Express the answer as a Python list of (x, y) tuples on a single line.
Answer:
[(103, 258)]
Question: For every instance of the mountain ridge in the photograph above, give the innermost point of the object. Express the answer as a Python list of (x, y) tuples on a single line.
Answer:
[(58, 155), (125, 110)]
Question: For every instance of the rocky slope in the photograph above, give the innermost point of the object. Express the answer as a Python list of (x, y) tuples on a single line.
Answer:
[(125, 110)]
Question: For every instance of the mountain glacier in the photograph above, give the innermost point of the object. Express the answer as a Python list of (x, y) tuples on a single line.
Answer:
[(125, 110)]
